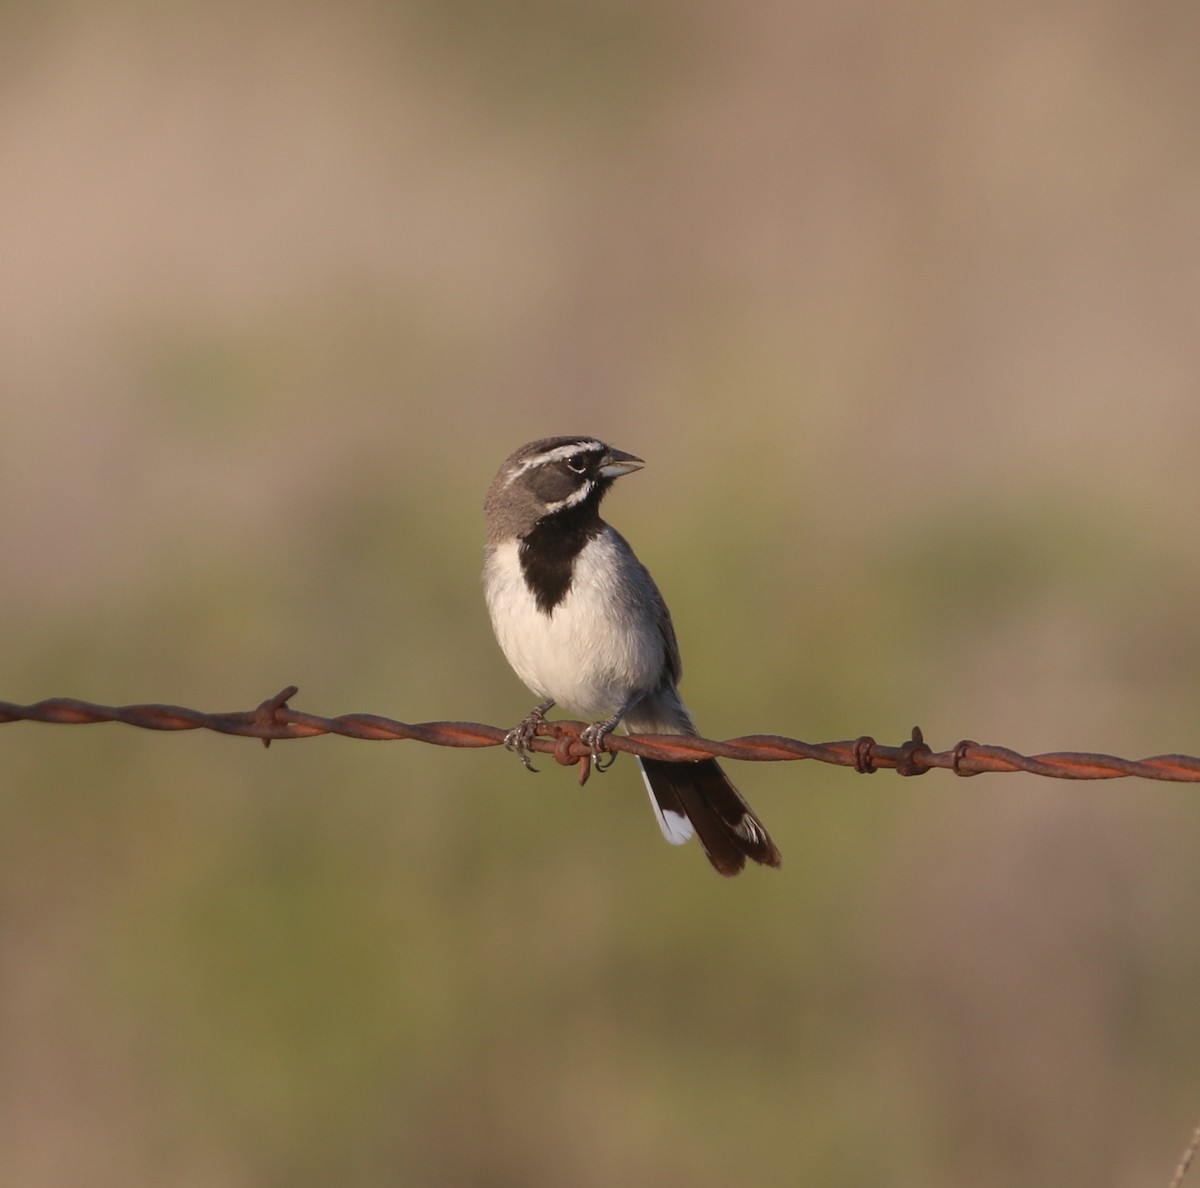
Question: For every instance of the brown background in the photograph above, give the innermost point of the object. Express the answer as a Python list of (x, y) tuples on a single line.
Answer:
[(900, 305)]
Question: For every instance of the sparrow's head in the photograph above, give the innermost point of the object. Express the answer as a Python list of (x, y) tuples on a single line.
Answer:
[(546, 477)]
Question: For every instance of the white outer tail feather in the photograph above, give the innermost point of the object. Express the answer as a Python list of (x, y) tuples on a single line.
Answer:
[(676, 828)]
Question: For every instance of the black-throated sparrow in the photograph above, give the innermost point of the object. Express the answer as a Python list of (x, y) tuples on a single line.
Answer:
[(582, 623)]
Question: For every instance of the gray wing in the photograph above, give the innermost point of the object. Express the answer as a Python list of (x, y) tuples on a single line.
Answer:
[(649, 592), (668, 633)]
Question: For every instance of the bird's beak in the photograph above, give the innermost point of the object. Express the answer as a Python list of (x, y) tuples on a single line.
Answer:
[(616, 463)]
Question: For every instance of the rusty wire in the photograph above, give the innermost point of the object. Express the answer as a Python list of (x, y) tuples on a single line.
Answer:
[(274, 720)]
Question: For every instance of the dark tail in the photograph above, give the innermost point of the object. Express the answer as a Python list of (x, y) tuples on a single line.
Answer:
[(724, 822)]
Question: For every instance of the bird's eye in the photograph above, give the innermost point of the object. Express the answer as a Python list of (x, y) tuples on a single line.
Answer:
[(577, 463)]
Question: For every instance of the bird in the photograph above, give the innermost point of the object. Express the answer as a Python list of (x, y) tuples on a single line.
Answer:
[(582, 623)]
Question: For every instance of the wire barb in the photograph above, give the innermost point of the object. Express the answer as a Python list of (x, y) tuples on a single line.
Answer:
[(267, 714), (913, 755), (1186, 1161), (274, 720)]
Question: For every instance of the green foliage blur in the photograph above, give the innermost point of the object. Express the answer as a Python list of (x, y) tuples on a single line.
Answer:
[(895, 305)]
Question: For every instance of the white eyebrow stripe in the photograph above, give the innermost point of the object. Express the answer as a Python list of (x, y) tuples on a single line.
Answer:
[(558, 454)]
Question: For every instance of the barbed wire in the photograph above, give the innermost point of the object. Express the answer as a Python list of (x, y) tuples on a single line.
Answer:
[(275, 720)]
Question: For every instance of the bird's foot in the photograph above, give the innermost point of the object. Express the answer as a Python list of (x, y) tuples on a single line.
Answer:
[(593, 737), (525, 731)]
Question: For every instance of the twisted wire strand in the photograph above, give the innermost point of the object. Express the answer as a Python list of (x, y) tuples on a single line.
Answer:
[(275, 720)]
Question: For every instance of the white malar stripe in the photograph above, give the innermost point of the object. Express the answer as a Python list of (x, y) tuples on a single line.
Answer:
[(676, 828), (577, 496)]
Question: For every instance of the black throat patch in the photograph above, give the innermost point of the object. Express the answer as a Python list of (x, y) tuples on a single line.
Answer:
[(548, 551)]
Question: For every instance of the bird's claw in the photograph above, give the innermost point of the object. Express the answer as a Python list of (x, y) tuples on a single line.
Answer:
[(593, 737), (523, 733)]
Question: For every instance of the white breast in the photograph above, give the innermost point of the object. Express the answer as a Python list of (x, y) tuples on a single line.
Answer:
[(597, 648)]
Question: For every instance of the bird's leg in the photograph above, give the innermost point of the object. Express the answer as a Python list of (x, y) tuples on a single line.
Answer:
[(594, 735), (524, 732)]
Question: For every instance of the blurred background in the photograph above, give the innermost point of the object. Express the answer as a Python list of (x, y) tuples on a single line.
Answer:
[(899, 303)]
